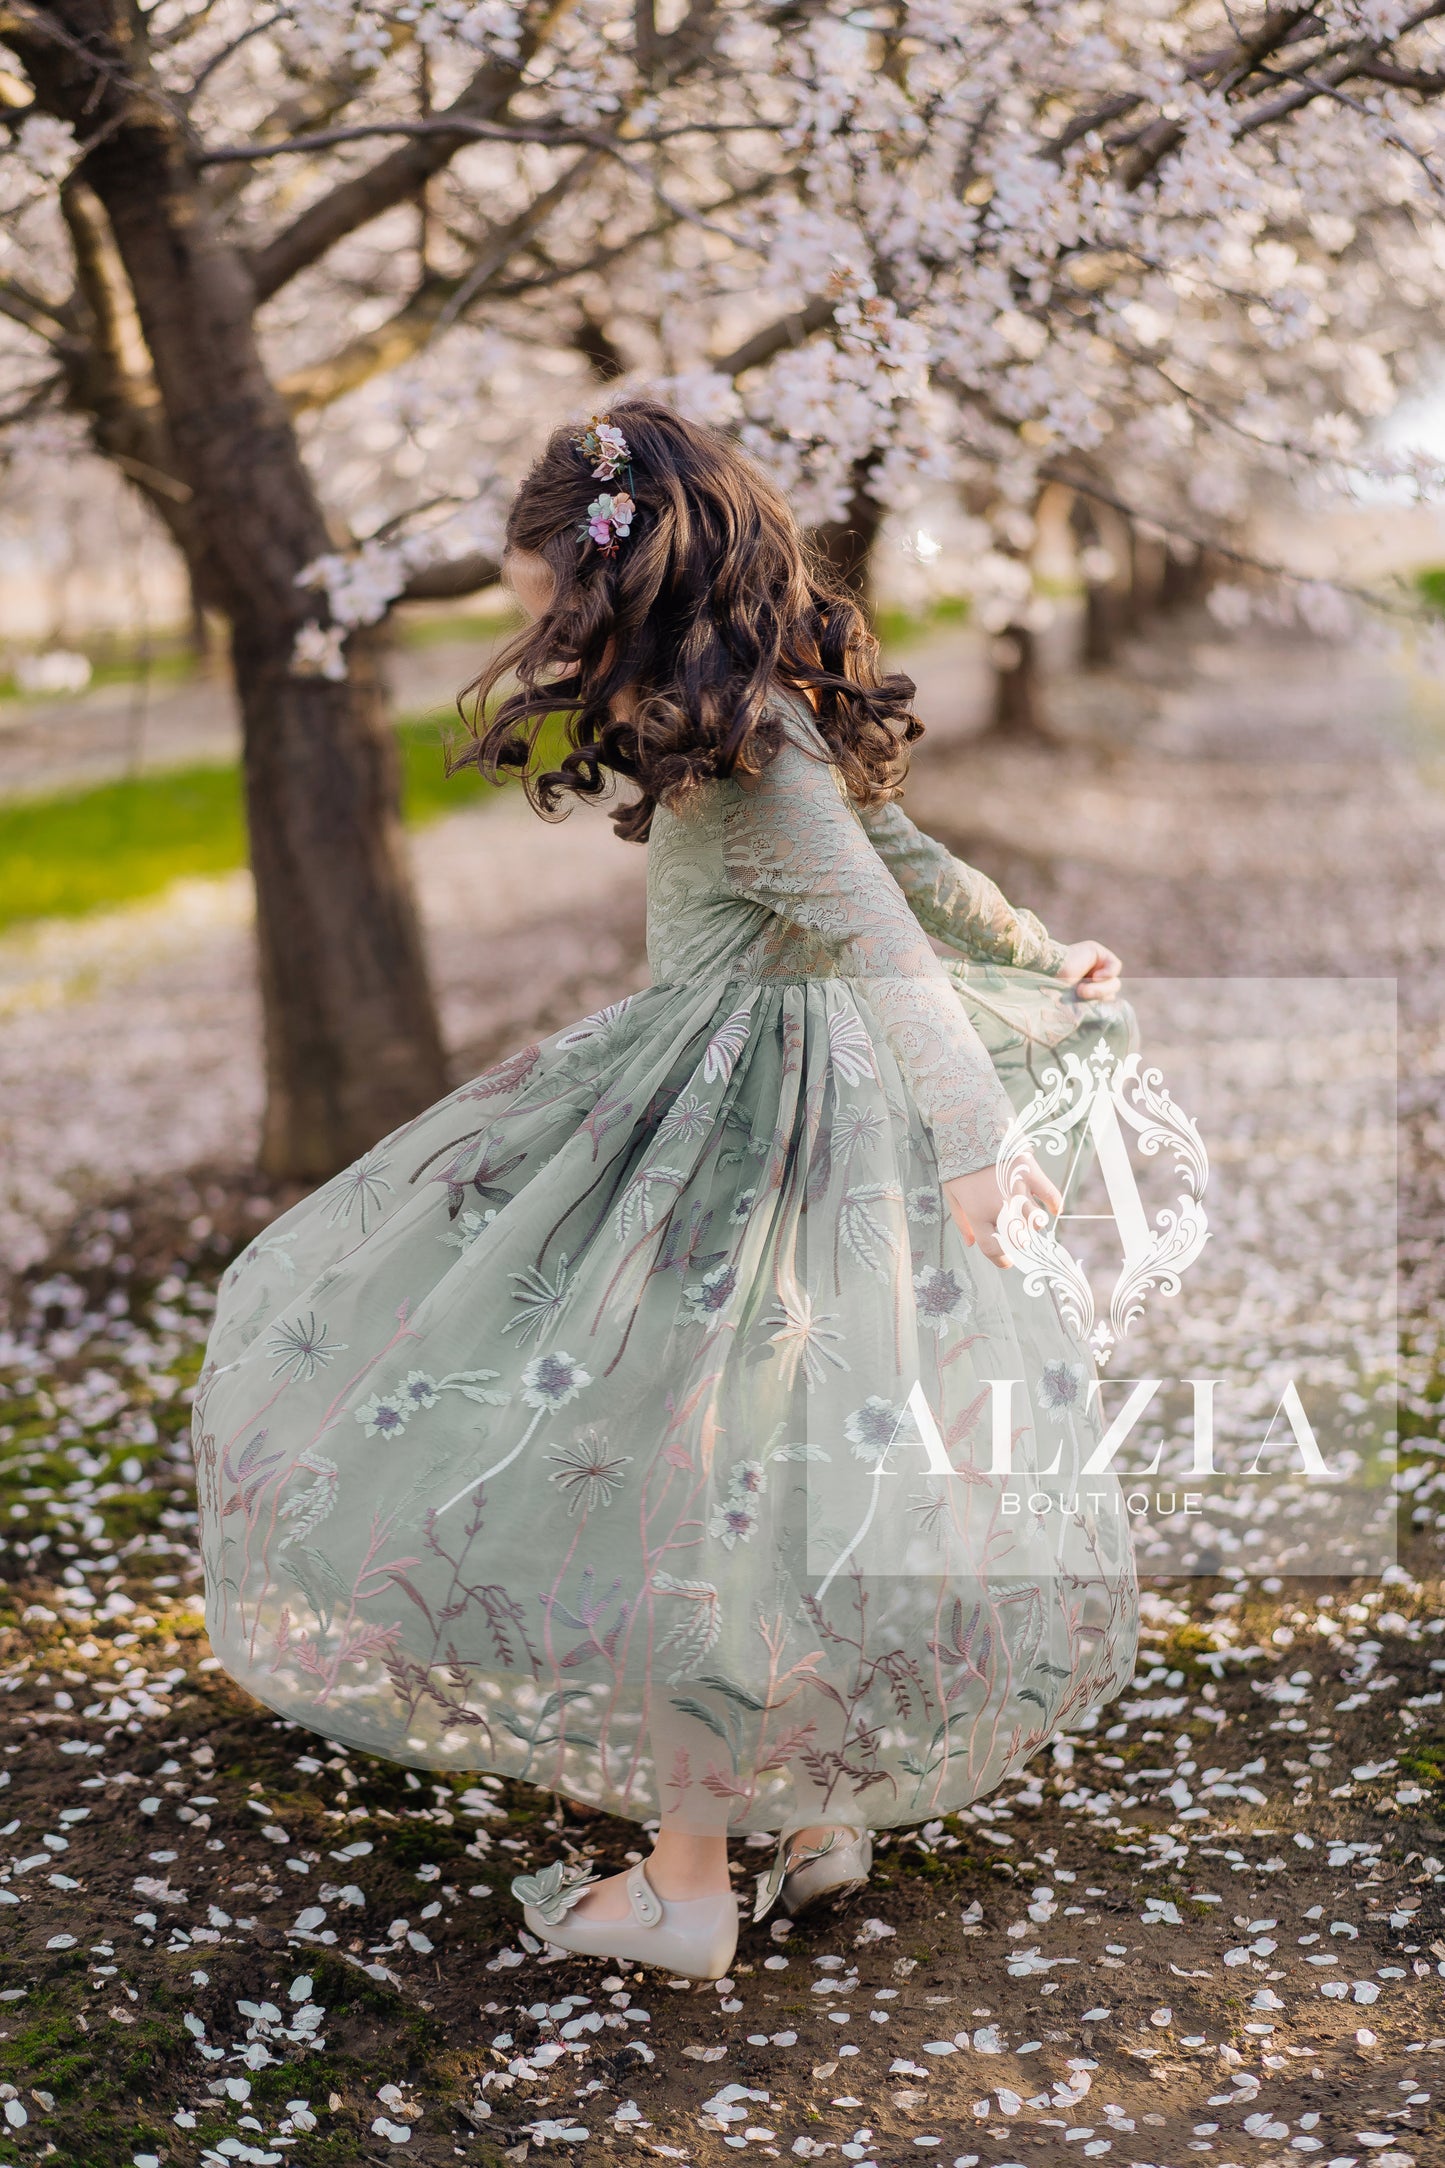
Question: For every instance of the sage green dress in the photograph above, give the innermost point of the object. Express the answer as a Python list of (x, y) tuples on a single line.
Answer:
[(624, 1423)]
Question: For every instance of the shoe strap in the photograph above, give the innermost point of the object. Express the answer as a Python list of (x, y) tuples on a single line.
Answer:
[(645, 1902), (839, 1837)]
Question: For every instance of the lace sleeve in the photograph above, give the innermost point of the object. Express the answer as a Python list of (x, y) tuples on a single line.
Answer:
[(793, 844), (957, 904)]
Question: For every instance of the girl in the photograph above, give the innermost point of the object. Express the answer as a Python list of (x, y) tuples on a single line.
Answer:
[(623, 1424)]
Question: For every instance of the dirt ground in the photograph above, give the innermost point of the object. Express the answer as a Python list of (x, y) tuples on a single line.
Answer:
[(1210, 1927)]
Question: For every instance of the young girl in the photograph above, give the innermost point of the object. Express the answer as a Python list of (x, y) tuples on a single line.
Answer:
[(626, 1423)]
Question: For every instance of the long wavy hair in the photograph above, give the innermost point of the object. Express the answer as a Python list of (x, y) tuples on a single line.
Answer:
[(664, 659)]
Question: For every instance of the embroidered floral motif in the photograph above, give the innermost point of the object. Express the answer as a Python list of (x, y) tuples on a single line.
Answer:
[(708, 1297), (550, 1381), (688, 1119), (540, 1297), (359, 1190), (732, 1521), (871, 1429), (1059, 1387), (467, 1228), (418, 1390), (725, 1046), (806, 1339), (942, 1299), (302, 1347), (383, 1416), (587, 1475)]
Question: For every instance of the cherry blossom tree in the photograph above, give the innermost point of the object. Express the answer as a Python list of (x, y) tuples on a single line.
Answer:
[(314, 278), (1164, 254), (190, 191)]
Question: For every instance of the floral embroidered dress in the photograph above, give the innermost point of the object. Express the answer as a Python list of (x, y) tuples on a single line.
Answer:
[(625, 1422)]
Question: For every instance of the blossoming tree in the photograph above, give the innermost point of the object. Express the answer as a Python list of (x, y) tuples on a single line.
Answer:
[(312, 279), (201, 167)]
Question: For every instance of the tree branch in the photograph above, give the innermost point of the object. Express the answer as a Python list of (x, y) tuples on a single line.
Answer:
[(117, 342), (1163, 136), (32, 399), (218, 59), (790, 330), (1429, 84), (1084, 485), (548, 134), (454, 132), (41, 317), (108, 374), (1377, 121), (1321, 84), (559, 274), (401, 173), (314, 105), (1084, 124), (1280, 28), (438, 302), (456, 577)]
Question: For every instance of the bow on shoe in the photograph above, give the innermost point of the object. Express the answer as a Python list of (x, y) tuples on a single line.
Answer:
[(554, 1891), (771, 1883)]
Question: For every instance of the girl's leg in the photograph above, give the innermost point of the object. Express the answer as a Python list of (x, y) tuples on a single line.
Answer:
[(690, 1855), (682, 1864)]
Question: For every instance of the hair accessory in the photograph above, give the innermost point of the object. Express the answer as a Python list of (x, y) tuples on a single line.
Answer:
[(609, 517), (605, 446), (609, 521)]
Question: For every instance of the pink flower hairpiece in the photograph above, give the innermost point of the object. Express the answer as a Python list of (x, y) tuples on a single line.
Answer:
[(609, 517)]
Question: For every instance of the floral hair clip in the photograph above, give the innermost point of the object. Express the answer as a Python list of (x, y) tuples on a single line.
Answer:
[(609, 517)]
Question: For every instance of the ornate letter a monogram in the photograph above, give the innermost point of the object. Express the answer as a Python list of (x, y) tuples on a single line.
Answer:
[(1093, 1096)]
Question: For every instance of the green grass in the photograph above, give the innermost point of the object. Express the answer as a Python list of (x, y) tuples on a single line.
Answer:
[(479, 625), (61, 856), (90, 850), (895, 627), (1430, 585)]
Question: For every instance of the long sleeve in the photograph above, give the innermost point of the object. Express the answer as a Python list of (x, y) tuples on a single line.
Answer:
[(954, 902), (793, 843)]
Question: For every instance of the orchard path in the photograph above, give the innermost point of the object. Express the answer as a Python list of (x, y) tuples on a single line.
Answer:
[(1086, 1965)]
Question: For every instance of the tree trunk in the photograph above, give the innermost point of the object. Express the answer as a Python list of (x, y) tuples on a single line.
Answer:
[(1108, 597), (352, 1044), (1018, 697), (1148, 583), (352, 1048), (1184, 580), (846, 544)]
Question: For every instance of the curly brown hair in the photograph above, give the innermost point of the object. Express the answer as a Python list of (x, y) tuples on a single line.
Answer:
[(663, 658)]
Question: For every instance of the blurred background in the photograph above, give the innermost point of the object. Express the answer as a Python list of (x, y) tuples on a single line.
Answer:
[(1102, 368)]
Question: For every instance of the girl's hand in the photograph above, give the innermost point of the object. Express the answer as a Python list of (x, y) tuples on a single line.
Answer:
[(1092, 970), (977, 1199)]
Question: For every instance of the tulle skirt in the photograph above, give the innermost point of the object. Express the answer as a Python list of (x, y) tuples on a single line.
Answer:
[(627, 1424)]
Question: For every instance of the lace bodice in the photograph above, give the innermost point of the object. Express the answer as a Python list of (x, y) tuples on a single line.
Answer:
[(782, 879)]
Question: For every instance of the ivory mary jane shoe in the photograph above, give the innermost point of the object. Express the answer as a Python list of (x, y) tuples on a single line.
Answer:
[(806, 1875), (695, 1936)]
